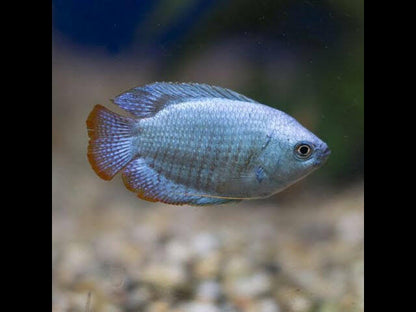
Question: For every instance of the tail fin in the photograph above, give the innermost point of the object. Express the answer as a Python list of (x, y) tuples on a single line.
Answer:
[(110, 147)]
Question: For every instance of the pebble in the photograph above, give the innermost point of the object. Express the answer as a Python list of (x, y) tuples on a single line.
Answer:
[(237, 266), (208, 291), (164, 275), (208, 267), (158, 306), (267, 305), (178, 252), (351, 228), (77, 260), (200, 307), (250, 286), (294, 299), (263, 305), (138, 298), (205, 243)]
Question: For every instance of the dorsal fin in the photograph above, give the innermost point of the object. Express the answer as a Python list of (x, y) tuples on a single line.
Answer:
[(146, 101)]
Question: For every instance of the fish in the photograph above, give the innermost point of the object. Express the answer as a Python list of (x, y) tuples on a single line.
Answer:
[(198, 144)]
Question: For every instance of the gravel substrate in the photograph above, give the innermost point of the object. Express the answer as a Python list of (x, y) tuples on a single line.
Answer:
[(130, 255)]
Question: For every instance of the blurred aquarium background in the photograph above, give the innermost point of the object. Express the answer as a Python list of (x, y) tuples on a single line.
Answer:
[(300, 250)]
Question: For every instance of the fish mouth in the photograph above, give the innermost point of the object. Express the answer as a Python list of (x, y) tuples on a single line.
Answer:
[(322, 157)]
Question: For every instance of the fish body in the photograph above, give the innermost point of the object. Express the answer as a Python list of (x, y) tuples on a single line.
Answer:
[(200, 145)]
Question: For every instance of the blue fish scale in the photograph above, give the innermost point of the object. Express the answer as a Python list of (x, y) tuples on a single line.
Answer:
[(203, 145)]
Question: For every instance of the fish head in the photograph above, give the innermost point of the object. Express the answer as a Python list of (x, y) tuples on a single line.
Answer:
[(294, 153)]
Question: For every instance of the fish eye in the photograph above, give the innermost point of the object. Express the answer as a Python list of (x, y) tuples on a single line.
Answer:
[(303, 150)]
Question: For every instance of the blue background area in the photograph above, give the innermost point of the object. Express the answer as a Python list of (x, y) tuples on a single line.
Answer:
[(112, 24)]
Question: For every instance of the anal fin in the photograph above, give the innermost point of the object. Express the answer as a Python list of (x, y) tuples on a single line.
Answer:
[(149, 185)]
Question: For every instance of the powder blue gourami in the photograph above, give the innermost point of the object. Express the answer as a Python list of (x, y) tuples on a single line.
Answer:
[(197, 144)]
